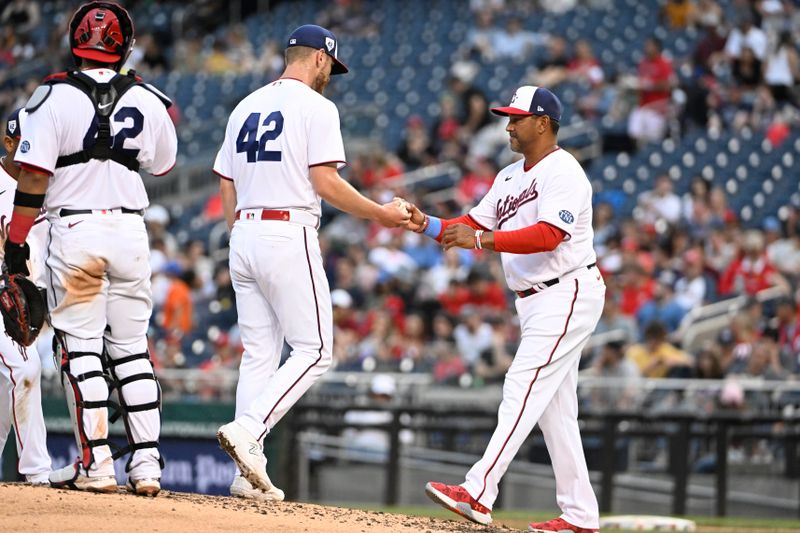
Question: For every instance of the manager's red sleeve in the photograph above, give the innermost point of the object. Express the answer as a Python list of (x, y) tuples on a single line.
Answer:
[(541, 237), (463, 219)]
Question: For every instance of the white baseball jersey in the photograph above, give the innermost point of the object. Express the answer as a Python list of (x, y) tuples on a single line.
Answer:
[(555, 190), (49, 132), (267, 127), (37, 238)]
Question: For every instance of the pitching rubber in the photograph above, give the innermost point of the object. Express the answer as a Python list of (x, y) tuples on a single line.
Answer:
[(461, 508)]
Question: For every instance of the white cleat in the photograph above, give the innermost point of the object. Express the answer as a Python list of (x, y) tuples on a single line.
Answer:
[(241, 488), (71, 477), (247, 453), (144, 487), (38, 479)]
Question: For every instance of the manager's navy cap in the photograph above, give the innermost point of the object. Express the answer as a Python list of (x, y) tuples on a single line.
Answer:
[(13, 124), (530, 100), (318, 37)]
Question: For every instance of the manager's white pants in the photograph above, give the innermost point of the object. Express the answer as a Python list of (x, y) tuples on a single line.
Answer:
[(541, 387)]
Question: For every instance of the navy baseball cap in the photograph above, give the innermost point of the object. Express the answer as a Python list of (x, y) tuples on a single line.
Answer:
[(13, 124), (318, 37), (530, 100)]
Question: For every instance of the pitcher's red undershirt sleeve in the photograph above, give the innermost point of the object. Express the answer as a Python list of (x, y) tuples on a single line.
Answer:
[(541, 237)]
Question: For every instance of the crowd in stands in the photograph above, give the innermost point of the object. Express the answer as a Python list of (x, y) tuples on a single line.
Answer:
[(403, 304)]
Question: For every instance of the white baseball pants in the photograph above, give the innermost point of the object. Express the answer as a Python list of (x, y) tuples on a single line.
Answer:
[(281, 293), (21, 406), (541, 386), (99, 296)]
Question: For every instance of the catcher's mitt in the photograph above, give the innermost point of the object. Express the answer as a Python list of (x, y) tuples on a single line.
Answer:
[(23, 308)]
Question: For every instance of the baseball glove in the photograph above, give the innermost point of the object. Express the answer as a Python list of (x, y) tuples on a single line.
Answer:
[(23, 308)]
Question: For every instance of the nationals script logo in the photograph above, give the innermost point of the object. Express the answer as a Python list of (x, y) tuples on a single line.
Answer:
[(507, 208)]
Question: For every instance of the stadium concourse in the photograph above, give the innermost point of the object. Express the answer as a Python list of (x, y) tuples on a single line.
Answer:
[(696, 189)]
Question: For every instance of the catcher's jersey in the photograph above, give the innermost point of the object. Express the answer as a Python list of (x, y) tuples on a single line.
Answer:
[(272, 139), (555, 190), (37, 238), (64, 124)]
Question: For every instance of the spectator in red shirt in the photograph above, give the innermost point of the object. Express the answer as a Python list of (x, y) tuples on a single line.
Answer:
[(637, 288), (752, 271), (485, 292), (648, 122)]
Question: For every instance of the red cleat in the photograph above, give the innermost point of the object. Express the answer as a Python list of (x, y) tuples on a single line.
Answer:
[(457, 499), (558, 525)]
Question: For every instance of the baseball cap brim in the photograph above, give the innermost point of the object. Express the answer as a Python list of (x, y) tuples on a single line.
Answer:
[(338, 67), (509, 110), (96, 55)]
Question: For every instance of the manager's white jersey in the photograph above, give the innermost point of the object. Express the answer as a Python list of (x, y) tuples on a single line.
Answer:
[(555, 190), (273, 137), (37, 238), (65, 121)]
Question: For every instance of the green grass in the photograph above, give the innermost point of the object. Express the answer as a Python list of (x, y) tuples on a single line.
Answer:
[(520, 519)]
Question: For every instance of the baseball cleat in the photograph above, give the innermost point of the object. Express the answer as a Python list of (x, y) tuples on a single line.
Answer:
[(71, 477), (247, 453), (241, 488), (38, 479), (457, 499), (558, 525), (144, 487)]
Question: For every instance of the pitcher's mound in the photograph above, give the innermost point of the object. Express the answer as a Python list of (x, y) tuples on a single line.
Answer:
[(24, 508)]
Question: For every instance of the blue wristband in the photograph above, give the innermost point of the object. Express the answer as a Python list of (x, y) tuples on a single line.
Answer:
[(434, 227)]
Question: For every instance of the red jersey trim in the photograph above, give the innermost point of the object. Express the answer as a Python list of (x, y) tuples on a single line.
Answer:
[(166, 171), (327, 163), (223, 176), (34, 168), (526, 168)]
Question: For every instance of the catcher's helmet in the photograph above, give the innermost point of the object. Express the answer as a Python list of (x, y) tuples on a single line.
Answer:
[(102, 32)]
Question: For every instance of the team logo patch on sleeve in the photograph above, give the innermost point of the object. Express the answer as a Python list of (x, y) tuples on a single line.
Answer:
[(24, 147), (566, 216)]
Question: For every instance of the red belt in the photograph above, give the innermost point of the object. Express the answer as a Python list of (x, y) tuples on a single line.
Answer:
[(269, 214)]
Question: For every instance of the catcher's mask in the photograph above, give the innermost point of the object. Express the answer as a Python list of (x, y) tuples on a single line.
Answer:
[(102, 32)]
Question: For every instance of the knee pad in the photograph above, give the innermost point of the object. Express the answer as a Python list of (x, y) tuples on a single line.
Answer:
[(76, 387)]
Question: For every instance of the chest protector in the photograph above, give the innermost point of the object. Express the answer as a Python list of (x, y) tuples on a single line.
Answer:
[(104, 97)]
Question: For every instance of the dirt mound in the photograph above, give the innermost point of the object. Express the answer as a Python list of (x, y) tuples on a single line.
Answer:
[(26, 508)]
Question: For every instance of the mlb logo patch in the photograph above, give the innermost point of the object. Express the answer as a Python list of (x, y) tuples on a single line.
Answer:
[(566, 216), (330, 44), (12, 126)]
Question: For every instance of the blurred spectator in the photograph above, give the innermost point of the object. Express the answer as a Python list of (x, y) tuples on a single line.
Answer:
[(494, 362), (217, 61), (450, 269), (416, 150), (648, 121), (763, 362), (636, 289), (344, 317), (484, 291), (473, 335), (708, 364), (691, 289), (752, 271), (612, 363), (659, 204), (782, 252), (708, 14), (449, 367), (514, 43), (788, 329), (612, 320), (178, 304), (663, 308), (481, 36), (746, 35), (657, 358), (21, 15), (782, 70), (678, 13)]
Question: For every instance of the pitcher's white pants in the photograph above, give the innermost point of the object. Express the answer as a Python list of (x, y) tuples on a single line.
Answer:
[(281, 292), (541, 387)]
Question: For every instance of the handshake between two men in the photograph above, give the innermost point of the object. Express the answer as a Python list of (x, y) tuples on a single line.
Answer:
[(401, 213)]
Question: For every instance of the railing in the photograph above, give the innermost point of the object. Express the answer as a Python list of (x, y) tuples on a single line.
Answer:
[(611, 428)]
